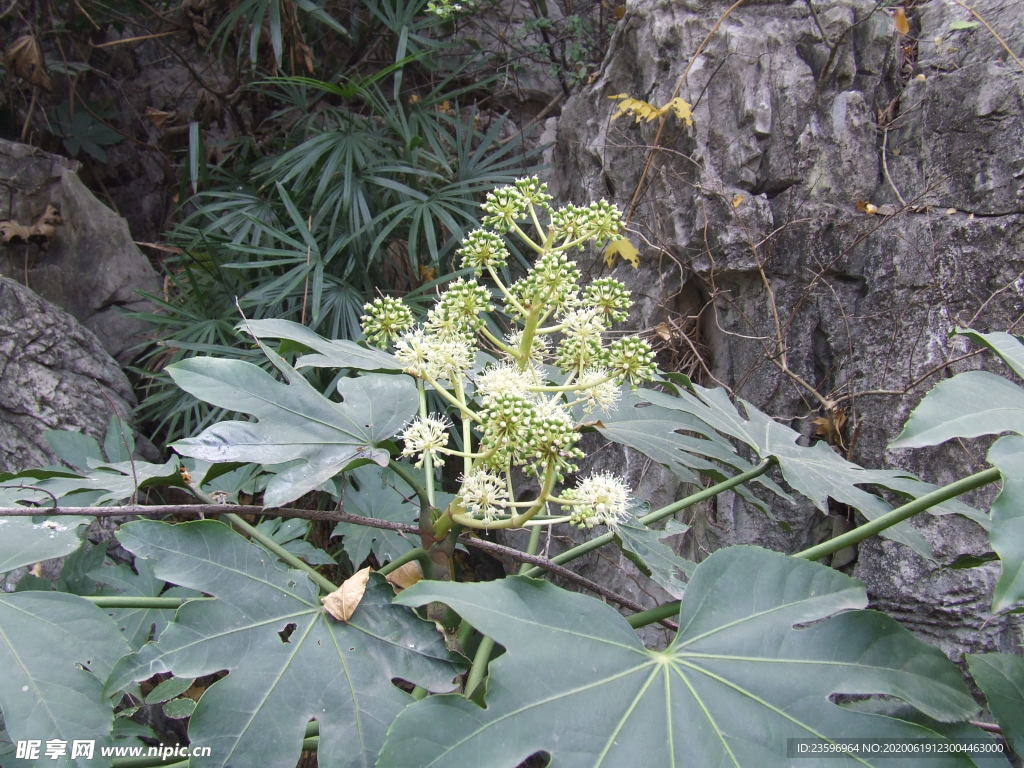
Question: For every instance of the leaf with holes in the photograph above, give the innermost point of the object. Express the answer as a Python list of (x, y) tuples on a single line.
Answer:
[(294, 422), (55, 652), (765, 641), (288, 662)]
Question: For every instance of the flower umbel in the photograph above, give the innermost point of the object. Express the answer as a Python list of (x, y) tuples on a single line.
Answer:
[(427, 436), (598, 500), (386, 318)]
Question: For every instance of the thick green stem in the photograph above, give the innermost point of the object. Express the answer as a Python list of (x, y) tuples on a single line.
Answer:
[(137, 601), (420, 555), (428, 460), (659, 514), (889, 519), (651, 615), (483, 651), (898, 515), (480, 662), (280, 551)]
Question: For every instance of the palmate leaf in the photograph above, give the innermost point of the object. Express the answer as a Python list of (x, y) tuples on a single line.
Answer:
[(816, 472), (288, 662), (1001, 677), (55, 652), (1007, 532), (295, 423), (332, 353), (744, 674), (378, 494)]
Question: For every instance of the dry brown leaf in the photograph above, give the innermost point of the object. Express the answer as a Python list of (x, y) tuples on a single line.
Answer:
[(899, 18), (831, 426), (343, 601), (159, 117), (24, 57), (405, 575), (663, 331), (40, 231)]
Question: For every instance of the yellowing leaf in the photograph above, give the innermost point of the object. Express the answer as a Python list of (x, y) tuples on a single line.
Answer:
[(643, 110), (624, 249), (681, 109), (405, 575), (899, 17), (737, 200), (343, 601)]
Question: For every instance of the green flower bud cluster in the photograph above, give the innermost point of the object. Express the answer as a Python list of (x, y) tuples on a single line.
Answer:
[(516, 414), (481, 249), (458, 310), (385, 319), (445, 9)]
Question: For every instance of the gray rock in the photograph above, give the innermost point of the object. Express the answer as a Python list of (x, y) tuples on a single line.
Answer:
[(757, 242), (91, 267), (54, 374)]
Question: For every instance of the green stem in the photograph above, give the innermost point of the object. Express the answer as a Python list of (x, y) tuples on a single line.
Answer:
[(133, 601), (480, 661), (421, 555), (651, 615), (483, 652), (529, 329), (900, 514), (659, 514), (508, 297), (527, 239), (403, 472), (467, 431), (428, 460), (280, 551)]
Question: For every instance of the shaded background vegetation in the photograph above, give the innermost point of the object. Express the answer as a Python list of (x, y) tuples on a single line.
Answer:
[(288, 158)]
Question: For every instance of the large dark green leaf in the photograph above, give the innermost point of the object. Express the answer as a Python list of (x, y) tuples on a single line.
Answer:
[(1007, 533), (24, 540), (55, 652), (970, 404), (1001, 677), (288, 661), (295, 423), (759, 654), (373, 492)]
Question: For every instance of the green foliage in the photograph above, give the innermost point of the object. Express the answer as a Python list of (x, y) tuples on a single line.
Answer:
[(288, 662), (736, 682), (976, 403), (769, 647), (56, 651)]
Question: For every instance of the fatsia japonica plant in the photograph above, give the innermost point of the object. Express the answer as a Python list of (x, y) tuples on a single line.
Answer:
[(270, 640)]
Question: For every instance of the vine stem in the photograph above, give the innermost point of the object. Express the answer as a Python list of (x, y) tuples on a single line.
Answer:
[(889, 519), (898, 515), (254, 533)]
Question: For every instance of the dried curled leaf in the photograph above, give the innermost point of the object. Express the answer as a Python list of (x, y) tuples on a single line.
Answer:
[(24, 58), (343, 601), (899, 18), (624, 249), (42, 230), (405, 575)]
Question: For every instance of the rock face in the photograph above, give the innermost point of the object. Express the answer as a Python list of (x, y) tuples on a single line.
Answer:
[(89, 266), (845, 195), (54, 374)]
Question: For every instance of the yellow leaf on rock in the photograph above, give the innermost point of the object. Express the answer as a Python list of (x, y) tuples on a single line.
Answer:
[(737, 200), (405, 575), (343, 601), (624, 249), (681, 108), (899, 17)]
